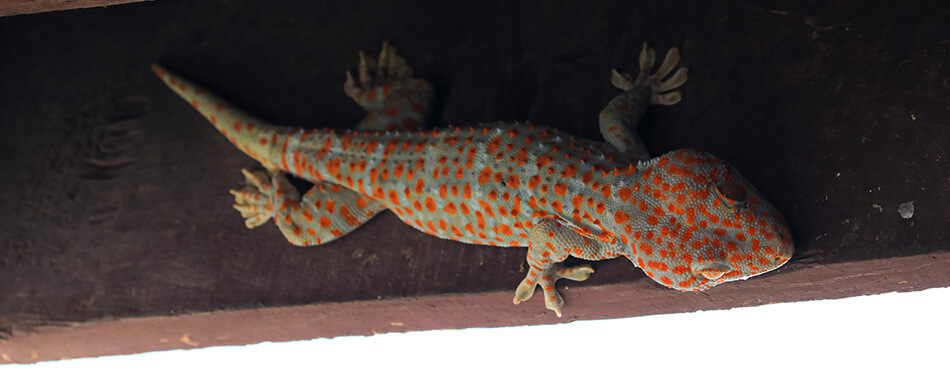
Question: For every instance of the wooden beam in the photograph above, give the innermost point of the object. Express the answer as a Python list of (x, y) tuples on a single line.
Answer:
[(15, 7), (118, 234), (278, 324)]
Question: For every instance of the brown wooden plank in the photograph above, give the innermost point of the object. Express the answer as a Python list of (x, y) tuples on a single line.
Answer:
[(493, 309), (114, 202), (15, 7)]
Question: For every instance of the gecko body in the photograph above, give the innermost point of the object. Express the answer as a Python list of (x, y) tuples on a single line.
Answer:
[(686, 218)]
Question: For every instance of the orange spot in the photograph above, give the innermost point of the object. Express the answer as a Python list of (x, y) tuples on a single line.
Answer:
[(522, 157), (467, 191), (659, 266), (324, 221), (625, 193), (443, 191), (513, 181), (587, 177), (371, 146), (569, 171), (430, 204), (484, 176), (534, 181), (480, 220), (333, 166), (391, 111), (560, 189), (450, 209), (345, 212), (494, 144), (393, 197), (621, 217), (420, 186), (605, 191), (544, 160)]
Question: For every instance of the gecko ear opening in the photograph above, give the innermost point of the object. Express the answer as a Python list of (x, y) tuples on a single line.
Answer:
[(713, 271)]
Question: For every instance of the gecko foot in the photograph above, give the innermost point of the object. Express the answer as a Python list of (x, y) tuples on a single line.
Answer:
[(254, 201), (385, 88), (390, 68), (546, 279), (660, 89)]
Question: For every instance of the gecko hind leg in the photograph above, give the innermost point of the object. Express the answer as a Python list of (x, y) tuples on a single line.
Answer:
[(325, 213), (618, 121), (393, 100)]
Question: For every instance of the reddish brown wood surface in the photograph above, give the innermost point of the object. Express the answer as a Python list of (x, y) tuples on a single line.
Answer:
[(117, 228), (462, 311), (14, 7)]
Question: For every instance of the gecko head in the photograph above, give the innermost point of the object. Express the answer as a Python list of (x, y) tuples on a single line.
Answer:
[(721, 227)]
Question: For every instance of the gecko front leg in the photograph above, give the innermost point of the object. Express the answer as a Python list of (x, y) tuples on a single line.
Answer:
[(550, 243), (618, 121)]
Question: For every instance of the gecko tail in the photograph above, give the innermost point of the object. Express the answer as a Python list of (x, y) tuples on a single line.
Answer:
[(252, 135)]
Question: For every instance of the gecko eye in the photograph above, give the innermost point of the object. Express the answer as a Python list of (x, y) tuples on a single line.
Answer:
[(733, 196)]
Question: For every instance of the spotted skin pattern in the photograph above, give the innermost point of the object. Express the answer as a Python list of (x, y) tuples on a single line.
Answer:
[(686, 218)]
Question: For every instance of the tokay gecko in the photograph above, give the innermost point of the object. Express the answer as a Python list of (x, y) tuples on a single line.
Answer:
[(686, 218)]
